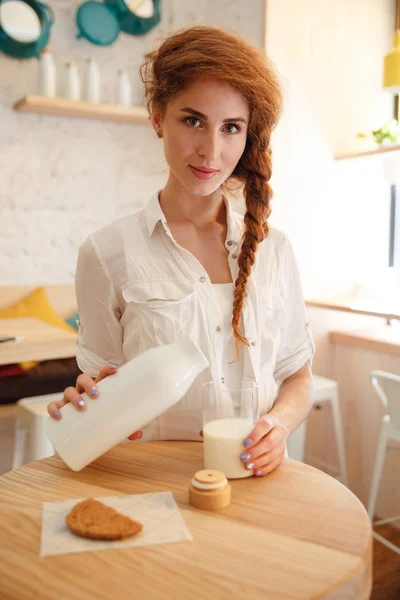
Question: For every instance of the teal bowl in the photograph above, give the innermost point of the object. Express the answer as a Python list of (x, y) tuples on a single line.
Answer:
[(131, 23), (18, 49)]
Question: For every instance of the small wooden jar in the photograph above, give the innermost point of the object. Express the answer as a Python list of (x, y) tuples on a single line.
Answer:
[(209, 489)]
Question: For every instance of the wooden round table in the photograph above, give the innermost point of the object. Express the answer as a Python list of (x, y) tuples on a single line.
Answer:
[(294, 534)]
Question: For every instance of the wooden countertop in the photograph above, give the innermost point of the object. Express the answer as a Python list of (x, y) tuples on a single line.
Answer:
[(379, 339), (296, 533)]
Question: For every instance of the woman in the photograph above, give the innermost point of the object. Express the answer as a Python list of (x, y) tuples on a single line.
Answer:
[(187, 264)]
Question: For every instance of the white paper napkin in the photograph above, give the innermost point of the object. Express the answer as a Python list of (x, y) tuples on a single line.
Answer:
[(158, 513)]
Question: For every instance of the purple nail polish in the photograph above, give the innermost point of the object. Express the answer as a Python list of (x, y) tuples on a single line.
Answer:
[(245, 457), (250, 466), (56, 413), (81, 402), (94, 391), (112, 366), (258, 473), (247, 442)]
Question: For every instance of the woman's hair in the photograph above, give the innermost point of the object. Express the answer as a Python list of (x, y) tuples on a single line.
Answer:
[(209, 52)]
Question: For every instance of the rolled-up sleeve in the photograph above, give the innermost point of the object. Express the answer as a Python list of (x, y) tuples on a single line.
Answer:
[(296, 344), (100, 333)]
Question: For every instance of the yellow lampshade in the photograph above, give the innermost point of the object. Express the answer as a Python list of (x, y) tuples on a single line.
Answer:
[(391, 69)]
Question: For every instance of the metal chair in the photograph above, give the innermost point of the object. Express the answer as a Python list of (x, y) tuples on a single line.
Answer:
[(325, 390), (387, 386)]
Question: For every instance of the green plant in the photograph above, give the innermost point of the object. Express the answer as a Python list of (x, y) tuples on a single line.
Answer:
[(390, 131)]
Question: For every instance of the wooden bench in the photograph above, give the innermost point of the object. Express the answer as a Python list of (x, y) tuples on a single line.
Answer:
[(63, 301)]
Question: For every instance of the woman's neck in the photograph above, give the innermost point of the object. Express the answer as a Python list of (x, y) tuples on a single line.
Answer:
[(179, 206)]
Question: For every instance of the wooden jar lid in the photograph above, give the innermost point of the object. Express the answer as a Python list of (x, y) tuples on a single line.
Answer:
[(210, 476), (209, 489)]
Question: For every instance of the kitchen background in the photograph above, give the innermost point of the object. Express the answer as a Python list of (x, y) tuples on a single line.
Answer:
[(61, 178)]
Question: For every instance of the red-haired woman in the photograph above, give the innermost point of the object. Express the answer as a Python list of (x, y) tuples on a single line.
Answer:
[(187, 264)]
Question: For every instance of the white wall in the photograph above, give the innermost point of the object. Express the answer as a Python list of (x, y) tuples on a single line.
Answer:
[(330, 55), (61, 178)]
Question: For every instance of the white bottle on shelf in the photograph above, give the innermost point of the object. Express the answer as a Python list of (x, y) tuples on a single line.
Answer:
[(124, 89), (47, 74), (72, 84), (92, 81)]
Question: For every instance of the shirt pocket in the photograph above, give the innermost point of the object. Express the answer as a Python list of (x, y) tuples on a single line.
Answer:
[(159, 312), (271, 307)]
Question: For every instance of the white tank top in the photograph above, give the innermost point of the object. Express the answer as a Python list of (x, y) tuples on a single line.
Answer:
[(233, 373)]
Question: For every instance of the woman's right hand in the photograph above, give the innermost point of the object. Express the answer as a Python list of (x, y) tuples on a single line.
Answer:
[(84, 383)]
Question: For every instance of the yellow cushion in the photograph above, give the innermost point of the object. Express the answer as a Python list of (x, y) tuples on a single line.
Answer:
[(37, 306)]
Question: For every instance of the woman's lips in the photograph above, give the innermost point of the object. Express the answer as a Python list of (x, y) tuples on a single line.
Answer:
[(200, 174)]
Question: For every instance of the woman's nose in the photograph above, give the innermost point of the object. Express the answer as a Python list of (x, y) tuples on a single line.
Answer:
[(210, 147)]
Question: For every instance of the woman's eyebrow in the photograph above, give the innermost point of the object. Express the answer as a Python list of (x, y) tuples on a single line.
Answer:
[(197, 113)]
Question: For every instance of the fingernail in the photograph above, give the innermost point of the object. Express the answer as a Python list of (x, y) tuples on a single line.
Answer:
[(258, 473), (94, 391), (250, 466), (56, 413), (81, 402), (112, 366), (245, 457), (247, 442)]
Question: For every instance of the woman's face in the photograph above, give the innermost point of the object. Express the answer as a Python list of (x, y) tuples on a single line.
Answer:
[(204, 130)]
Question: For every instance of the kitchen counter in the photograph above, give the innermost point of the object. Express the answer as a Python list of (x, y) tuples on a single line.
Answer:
[(379, 339)]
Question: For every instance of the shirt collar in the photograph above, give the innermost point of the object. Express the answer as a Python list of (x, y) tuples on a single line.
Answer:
[(154, 214)]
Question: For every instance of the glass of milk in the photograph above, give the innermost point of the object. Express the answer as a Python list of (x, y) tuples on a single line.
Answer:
[(228, 418)]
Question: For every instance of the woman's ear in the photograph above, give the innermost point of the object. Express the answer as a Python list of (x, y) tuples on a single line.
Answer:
[(156, 121)]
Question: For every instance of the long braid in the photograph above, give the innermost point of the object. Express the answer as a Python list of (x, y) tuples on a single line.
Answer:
[(255, 168)]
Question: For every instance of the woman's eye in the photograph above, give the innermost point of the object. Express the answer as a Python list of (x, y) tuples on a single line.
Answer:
[(232, 128), (192, 121)]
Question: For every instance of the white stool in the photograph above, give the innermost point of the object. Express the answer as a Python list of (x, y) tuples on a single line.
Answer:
[(387, 386), (325, 390), (30, 441)]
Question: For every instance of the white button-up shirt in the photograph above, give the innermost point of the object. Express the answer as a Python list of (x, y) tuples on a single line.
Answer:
[(137, 288)]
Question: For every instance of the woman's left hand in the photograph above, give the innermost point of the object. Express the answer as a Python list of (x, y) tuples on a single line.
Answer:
[(265, 446)]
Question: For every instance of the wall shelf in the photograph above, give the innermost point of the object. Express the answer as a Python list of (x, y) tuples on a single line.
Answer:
[(383, 150), (80, 108)]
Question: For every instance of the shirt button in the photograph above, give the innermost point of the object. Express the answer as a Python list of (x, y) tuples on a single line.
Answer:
[(202, 279), (253, 343), (229, 242), (218, 328), (234, 255), (222, 379)]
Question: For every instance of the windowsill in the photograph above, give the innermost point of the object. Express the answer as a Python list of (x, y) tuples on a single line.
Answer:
[(347, 303)]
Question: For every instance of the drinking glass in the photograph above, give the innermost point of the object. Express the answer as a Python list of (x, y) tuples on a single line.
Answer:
[(229, 416)]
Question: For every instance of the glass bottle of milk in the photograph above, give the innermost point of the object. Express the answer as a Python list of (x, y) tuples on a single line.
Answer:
[(228, 418)]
